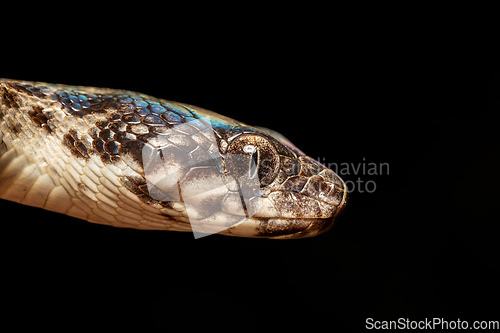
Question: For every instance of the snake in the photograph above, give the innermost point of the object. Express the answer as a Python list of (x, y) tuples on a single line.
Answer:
[(127, 159)]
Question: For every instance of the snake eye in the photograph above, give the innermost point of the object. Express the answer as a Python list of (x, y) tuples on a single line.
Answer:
[(252, 157)]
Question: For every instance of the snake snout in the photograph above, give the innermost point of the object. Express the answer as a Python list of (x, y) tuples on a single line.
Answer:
[(314, 192), (316, 182)]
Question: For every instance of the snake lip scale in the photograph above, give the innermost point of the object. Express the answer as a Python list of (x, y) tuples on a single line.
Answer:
[(126, 159)]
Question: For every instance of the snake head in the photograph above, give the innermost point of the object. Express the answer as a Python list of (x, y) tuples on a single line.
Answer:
[(285, 193), (239, 180)]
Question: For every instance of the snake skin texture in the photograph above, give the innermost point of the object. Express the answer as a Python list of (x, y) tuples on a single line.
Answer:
[(126, 159)]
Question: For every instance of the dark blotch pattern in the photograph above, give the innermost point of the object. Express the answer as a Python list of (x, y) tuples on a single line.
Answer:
[(77, 147), (39, 118), (120, 123), (8, 97)]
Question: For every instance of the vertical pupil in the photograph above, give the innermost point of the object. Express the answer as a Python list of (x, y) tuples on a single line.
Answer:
[(255, 164)]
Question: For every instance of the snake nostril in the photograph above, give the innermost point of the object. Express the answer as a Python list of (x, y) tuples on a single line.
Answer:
[(316, 183), (324, 187)]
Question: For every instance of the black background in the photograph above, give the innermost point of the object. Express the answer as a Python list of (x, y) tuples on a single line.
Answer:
[(424, 244)]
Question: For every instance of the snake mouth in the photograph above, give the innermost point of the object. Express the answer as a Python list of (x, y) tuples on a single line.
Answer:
[(285, 228), (300, 213), (295, 228)]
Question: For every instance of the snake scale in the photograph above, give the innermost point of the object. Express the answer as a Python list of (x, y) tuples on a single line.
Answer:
[(126, 159)]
